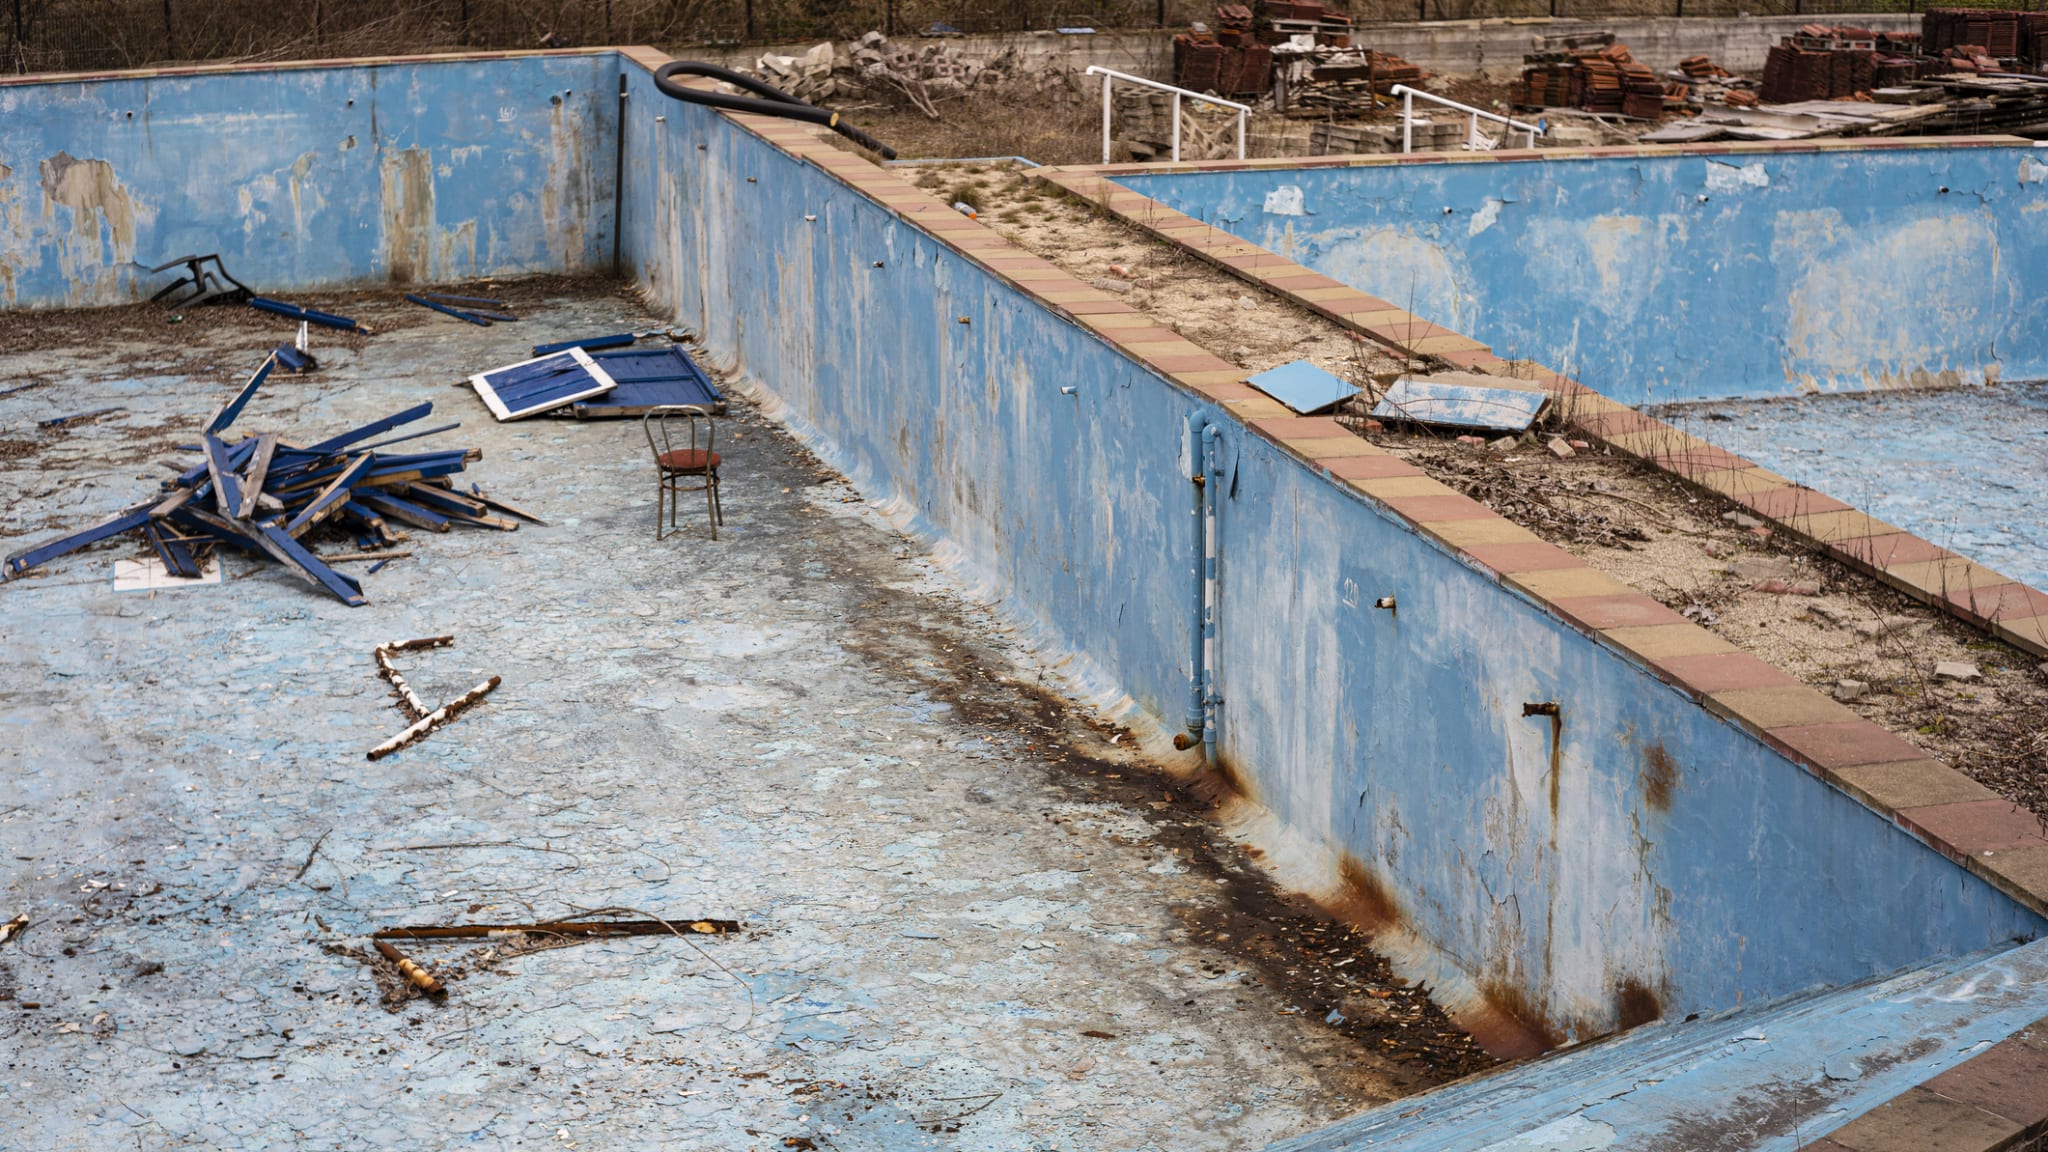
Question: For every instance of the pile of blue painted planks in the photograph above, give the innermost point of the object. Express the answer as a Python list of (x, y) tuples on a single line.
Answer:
[(266, 496)]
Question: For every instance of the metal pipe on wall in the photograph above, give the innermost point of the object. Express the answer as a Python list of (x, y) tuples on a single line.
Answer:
[(1212, 495), (1197, 545)]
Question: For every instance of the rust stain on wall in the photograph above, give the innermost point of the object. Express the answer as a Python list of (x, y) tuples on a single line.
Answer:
[(1660, 778), (408, 214), (1635, 1003), (12, 234)]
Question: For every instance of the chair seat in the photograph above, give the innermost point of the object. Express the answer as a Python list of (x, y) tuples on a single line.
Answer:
[(688, 460)]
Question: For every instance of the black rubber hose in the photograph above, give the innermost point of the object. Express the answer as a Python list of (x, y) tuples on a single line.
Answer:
[(771, 101)]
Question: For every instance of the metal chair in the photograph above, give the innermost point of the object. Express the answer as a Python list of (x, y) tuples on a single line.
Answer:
[(683, 438)]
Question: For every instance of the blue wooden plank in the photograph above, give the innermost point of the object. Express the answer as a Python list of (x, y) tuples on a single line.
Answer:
[(398, 509), (344, 588), (293, 311), (233, 408), (176, 558), (237, 456), (447, 310), (1304, 387), (127, 521), (227, 486), (337, 491), (222, 531), (588, 343), (335, 443)]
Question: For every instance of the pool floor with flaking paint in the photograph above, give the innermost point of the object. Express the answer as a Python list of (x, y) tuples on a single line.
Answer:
[(953, 940)]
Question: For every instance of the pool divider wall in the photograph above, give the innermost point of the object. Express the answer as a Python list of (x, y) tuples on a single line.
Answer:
[(306, 176), (1645, 858), (1658, 274)]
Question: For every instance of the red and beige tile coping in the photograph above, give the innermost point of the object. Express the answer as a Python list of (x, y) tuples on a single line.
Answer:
[(1996, 1101), (1956, 815), (2004, 607)]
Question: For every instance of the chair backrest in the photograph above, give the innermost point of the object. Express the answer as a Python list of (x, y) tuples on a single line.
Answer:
[(673, 426)]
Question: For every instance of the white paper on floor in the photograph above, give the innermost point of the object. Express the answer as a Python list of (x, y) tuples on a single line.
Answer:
[(150, 575)]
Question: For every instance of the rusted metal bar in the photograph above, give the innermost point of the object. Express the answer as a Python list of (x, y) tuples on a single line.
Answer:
[(419, 977), (564, 928), (434, 719)]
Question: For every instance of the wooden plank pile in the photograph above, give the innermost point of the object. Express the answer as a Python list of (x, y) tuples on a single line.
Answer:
[(270, 497)]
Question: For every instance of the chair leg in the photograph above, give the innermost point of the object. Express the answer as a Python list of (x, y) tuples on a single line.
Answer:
[(717, 498), (660, 497), (711, 503)]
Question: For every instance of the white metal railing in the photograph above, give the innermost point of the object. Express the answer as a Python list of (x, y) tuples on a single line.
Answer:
[(1408, 96), (1110, 76)]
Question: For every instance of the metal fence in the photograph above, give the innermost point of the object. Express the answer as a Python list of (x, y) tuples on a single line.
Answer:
[(73, 35)]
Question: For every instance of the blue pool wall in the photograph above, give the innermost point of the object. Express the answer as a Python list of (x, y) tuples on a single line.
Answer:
[(307, 177), (1396, 744), (1663, 275)]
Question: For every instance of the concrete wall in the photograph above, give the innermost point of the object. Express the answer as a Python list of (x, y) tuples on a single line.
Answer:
[(1655, 857), (1658, 854), (307, 177), (1664, 277)]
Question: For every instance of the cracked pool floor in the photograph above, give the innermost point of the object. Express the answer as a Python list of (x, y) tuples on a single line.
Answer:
[(954, 937)]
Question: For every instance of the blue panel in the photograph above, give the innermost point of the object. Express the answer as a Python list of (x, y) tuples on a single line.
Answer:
[(588, 343), (1304, 387), (650, 379), (1668, 277)]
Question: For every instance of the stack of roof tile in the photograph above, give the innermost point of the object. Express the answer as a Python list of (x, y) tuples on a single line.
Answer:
[(1606, 79), (1998, 35)]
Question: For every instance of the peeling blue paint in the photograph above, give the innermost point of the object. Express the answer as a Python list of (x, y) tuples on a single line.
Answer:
[(1397, 743), (1555, 881), (1668, 277), (307, 178)]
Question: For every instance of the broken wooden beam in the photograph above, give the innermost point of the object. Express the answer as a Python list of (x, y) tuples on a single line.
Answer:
[(417, 976), (702, 927), (434, 719), (409, 703), (127, 521)]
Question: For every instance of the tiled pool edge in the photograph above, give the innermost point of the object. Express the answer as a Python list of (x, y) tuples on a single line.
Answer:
[(1993, 1102), (1945, 809), (1960, 818)]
